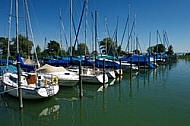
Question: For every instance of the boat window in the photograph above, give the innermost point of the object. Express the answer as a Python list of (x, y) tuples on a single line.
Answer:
[(67, 73), (39, 77), (13, 79)]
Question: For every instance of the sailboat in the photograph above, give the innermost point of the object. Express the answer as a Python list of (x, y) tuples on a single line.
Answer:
[(33, 86), (91, 76), (66, 78), (25, 84)]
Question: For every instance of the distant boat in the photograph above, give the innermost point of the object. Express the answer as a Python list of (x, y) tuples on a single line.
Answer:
[(158, 58), (66, 78), (110, 72), (90, 76), (142, 61), (125, 65)]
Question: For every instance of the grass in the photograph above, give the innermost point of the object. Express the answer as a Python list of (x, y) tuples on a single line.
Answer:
[(184, 56)]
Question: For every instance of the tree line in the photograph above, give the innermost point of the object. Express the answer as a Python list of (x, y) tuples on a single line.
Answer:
[(26, 49), (54, 50)]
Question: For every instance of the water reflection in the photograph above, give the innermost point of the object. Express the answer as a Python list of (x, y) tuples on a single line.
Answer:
[(67, 93), (148, 79), (35, 112), (132, 98)]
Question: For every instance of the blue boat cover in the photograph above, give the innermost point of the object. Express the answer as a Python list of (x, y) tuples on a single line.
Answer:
[(11, 68), (25, 66)]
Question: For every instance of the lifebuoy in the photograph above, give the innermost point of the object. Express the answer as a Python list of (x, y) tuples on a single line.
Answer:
[(54, 80)]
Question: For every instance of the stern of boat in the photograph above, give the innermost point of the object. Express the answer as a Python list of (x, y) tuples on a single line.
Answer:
[(100, 78), (49, 90)]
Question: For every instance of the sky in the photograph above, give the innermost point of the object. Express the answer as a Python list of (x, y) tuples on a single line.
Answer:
[(170, 16)]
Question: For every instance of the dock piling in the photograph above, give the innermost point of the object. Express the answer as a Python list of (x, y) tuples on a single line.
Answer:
[(103, 73), (119, 70), (130, 67), (80, 81), (19, 86)]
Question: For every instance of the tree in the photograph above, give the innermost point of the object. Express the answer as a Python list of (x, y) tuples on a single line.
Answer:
[(44, 53), (74, 51), (38, 51), (53, 48), (136, 51), (108, 46), (95, 53), (170, 50), (62, 53), (150, 49), (25, 46), (81, 49), (159, 48), (122, 53), (3, 46)]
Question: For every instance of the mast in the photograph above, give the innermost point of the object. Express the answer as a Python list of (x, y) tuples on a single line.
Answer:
[(92, 43), (128, 27), (71, 51), (60, 29), (26, 20), (116, 33), (96, 32), (105, 36), (9, 34), (86, 7), (157, 43), (16, 6), (134, 44), (31, 31), (45, 42), (150, 51)]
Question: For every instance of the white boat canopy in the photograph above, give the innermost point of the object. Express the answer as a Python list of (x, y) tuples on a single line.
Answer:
[(50, 69)]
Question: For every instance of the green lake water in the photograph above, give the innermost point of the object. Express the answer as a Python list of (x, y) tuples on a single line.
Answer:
[(158, 97)]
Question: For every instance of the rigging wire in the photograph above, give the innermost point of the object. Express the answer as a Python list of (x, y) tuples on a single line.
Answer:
[(31, 31)]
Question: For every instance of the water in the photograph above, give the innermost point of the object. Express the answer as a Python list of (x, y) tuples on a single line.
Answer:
[(159, 97)]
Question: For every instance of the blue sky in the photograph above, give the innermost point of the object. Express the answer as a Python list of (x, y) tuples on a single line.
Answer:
[(172, 16)]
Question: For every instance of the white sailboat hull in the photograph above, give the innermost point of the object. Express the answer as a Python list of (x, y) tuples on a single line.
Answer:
[(65, 79), (94, 78), (111, 74), (29, 91), (32, 93)]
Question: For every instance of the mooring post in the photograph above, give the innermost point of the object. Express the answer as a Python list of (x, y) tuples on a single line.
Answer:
[(80, 81), (144, 63), (19, 85), (103, 73), (138, 64), (119, 69), (149, 59), (130, 67)]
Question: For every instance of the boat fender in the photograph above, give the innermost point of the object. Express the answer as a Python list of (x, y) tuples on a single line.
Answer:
[(54, 80), (45, 82), (39, 83)]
